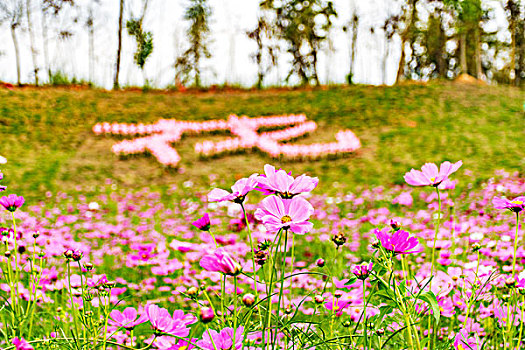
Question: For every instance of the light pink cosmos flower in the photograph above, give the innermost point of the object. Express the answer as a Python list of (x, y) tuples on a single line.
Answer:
[(279, 182), (430, 175), (221, 261), (289, 214), (162, 322), (516, 205), (399, 242), (126, 319), (239, 191), (222, 340)]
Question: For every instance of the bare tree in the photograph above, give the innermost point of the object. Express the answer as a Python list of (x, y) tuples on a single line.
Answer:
[(119, 48), (12, 11), (34, 52)]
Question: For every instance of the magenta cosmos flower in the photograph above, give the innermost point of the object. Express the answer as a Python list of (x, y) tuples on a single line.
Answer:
[(399, 242), (430, 175), (239, 191), (516, 205), (288, 214), (221, 261), (223, 340), (22, 344), (283, 184), (12, 202), (126, 319), (203, 223)]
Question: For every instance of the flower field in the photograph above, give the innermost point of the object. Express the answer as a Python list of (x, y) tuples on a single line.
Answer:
[(270, 263)]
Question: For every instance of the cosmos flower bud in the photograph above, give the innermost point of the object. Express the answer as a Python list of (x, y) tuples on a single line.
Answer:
[(288, 311), (338, 294), (476, 247), (260, 257), (319, 299), (396, 225), (346, 324), (192, 291), (207, 315), (88, 266), (380, 331), (76, 255), (68, 254), (510, 282), (248, 299), (339, 239), (7, 253), (320, 262), (36, 234)]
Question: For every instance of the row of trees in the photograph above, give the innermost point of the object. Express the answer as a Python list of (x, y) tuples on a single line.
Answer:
[(438, 38)]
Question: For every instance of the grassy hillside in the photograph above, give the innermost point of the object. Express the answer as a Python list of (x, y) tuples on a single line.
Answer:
[(47, 137)]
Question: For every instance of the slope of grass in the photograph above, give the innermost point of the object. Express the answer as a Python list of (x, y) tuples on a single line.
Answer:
[(47, 137)]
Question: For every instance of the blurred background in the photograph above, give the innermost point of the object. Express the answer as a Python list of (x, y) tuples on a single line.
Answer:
[(246, 43)]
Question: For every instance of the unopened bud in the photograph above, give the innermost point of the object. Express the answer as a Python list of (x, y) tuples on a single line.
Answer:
[(320, 262), (476, 247), (346, 324), (192, 291), (7, 253), (207, 315), (36, 234), (248, 299), (319, 299), (339, 239), (68, 254), (338, 294), (88, 266)]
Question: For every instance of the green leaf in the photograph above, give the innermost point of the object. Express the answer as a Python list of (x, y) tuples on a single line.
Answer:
[(351, 281), (431, 300)]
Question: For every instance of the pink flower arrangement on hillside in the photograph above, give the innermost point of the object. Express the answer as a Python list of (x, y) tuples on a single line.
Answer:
[(164, 133)]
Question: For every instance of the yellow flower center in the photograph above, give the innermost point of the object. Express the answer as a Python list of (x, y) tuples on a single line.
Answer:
[(286, 219), (432, 179), (517, 202)]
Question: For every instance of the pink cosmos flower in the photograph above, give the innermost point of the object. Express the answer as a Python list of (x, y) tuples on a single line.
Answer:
[(338, 305), (162, 322), (239, 191), (279, 182), (12, 202), (223, 340), (289, 214), (462, 341), (21, 344), (126, 319), (430, 175), (516, 205), (221, 261), (362, 271), (203, 223), (399, 242)]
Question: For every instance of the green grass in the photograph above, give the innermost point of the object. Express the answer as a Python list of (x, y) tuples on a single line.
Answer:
[(47, 137)]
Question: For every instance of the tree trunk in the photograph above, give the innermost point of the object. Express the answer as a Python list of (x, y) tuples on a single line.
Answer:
[(479, 72), (119, 49), (463, 53), (32, 40), (385, 60), (401, 65), (355, 26), (513, 73), (17, 53), (45, 44), (91, 33)]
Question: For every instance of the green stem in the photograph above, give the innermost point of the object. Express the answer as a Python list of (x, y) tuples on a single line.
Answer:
[(17, 276), (281, 289), (364, 315), (521, 323), (214, 240), (234, 310), (73, 309)]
